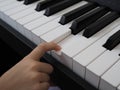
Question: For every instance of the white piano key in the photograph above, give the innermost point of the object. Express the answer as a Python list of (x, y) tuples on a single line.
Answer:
[(87, 56), (84, 58), (97, 68), (30, 17), (6, 2), (27, 19), (74, 44), (66, 59), (11, 19), (8, 7), (24, 12), (30, 26), (13, 11), (38, 32), (17, 9), (37, 22), (57, 34), (33, 16), (111, 79), (43, 20), (118, 88), (2, 0), (8, 19)]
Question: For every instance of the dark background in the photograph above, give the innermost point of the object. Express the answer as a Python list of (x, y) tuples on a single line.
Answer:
[(8, 57), (113, 4)]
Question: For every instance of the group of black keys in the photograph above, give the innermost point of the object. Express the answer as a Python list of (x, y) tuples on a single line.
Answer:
[(91, 17)]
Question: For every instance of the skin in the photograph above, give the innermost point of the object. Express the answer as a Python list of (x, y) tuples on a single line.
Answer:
[(30, 73)]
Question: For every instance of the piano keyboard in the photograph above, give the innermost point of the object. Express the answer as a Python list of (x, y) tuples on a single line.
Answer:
[(88, 33)]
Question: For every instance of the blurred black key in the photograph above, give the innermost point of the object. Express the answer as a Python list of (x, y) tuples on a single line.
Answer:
[(87, 19), (19, 0), (26, 2), (113, 41), (101, 23), (59, 6), (76, 13), (46, 4)]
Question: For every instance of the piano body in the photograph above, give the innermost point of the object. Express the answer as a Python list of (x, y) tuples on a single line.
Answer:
[(88, 32)]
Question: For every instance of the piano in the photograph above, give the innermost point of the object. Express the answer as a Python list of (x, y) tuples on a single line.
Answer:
[(87, 30)]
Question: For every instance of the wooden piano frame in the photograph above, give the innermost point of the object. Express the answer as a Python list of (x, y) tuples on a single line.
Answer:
[(62, 76)]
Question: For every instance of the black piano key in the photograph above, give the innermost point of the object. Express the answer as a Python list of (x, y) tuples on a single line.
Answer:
[(26, 2), (46, 4), (85, 20), (19, 0), (76, 13), (113, 41), (101, 23), (59, 6)]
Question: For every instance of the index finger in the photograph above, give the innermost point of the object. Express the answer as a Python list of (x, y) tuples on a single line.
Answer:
[(39, 51)]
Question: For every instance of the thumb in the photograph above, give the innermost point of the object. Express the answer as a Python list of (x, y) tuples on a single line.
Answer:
[(39, 51)]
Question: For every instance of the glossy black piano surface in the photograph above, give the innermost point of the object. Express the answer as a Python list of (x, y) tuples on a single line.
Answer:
[(113, 4)]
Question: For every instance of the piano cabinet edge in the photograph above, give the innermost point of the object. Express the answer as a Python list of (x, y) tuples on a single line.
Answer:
[(62, 76)]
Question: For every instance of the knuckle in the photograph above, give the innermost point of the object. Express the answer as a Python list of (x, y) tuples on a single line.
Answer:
[(44, 76), (41, 75), (34, 65), (32, 77), (35, 76)]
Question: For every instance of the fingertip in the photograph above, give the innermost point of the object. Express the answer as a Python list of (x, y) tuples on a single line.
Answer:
[(39, 51), (56, 46)]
